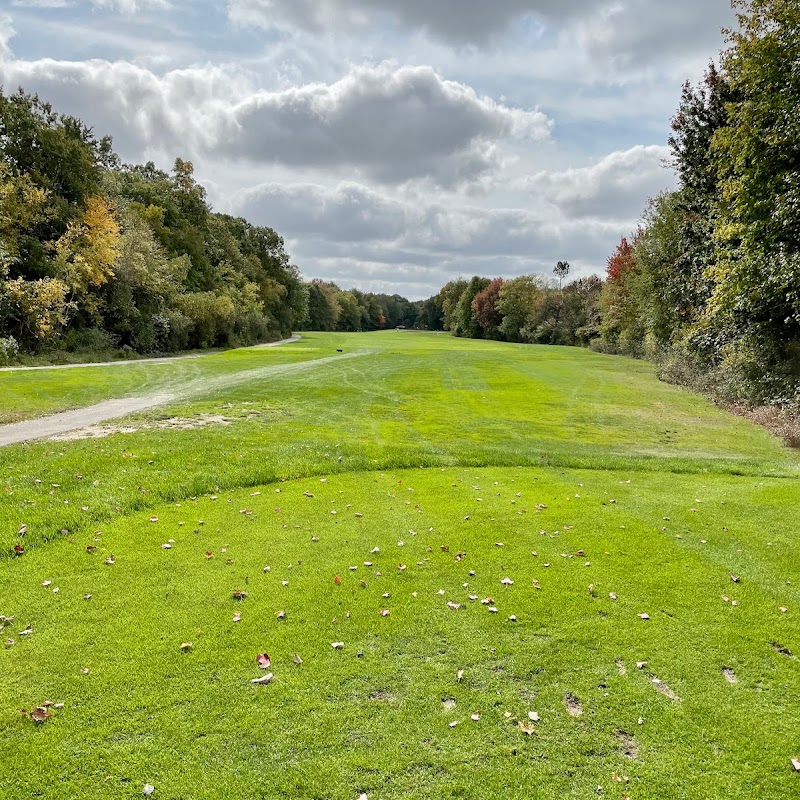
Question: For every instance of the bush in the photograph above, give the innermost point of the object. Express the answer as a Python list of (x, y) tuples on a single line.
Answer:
[(92, 340), (9, 350)]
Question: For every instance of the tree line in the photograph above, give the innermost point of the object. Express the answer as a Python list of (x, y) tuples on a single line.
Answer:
[(97, 255), (709, 284)]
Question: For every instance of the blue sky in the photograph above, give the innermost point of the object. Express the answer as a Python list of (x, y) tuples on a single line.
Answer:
[(394, 144)]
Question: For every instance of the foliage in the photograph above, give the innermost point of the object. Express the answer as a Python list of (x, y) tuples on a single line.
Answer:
[(130, 252)]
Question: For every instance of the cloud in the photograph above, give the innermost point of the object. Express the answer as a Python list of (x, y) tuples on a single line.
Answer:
[(625, 29), (459, 21), (7, 33), (614, 188), (388, 123), (391, 123), (358, 236), (131, 6)]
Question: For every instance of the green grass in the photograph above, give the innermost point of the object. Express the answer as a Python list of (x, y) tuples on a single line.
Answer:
[(665, 496)]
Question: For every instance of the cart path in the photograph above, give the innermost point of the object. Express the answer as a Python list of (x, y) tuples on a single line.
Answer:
[(159, 360), (66, 421)]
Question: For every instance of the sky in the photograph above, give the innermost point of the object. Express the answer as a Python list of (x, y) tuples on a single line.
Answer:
[(394, 144)]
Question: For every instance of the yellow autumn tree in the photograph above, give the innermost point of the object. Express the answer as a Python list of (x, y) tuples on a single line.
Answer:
[(22, 206), (88, 250)]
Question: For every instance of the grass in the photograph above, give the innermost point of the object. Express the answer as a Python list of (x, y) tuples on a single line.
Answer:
[(664, 496)]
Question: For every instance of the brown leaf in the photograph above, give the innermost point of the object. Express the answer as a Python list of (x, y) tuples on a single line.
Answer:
[(186, 647), (297, 660), (280, 614), (264, 661), (19, 549), (40, 714), (209, 554), (527, 727), (239, 594)]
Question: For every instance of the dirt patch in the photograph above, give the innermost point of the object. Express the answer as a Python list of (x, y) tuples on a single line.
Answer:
[(574, 707), (170, 423), (779, 648), (628, 745), (662, 687), (729, 674)]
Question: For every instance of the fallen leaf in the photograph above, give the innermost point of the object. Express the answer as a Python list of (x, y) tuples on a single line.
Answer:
[(263, 679), (209, 554), (297, 660), (337, 580), (186, 647), (166, 546), (612, 595), (533, 716), (46, 583), (735, 578), (796, 764), (384, 612), (454, 606), (111, 560), (237, 617), (148, 789), (643, 616), (475, 717), (280, 614), (87, 597), (459, 676), (19, 549), (40, 714), (507, 582), (263, 661), (27, 632), (527, 727), (238, 594), (337, 645), (9, 643), (512, 618), (455, 722)]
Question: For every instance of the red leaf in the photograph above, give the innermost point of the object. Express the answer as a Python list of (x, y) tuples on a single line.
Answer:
[(264, 661)]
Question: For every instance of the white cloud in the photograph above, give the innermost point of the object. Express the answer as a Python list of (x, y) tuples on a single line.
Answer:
[(613, 188), (131, 6), (388, 123)]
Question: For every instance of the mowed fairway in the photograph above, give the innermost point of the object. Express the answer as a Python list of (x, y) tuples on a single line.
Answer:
[(480, 527)]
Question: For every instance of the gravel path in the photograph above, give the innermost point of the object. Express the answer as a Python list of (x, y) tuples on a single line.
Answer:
[(41, 428), (160, 359)]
